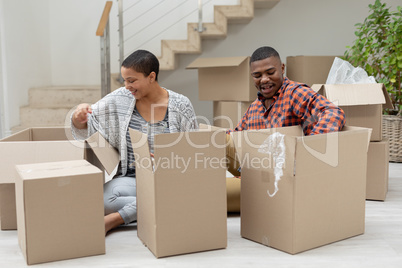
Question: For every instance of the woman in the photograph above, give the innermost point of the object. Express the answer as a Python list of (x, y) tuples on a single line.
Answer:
[(138, 105)]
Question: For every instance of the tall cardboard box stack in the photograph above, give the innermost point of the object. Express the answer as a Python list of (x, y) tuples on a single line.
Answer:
[(181, 192), (301, 192), (228, 83), (363, 105)]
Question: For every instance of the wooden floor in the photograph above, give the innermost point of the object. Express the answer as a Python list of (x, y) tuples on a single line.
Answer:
[(380, 246)]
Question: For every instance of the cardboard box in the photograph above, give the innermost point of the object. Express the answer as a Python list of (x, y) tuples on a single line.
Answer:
[(227, 114), (309, 69), (377, 170), (60, 210), (224, 79), (233, 194), (8, 220), (301, 192), (45, 144), (181, 198), (362, 104)]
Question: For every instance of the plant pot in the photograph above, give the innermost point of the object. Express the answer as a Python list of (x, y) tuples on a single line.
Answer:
[(392, 130)]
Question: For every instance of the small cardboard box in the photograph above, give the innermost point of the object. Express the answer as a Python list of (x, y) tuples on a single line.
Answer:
[(301, 192), (181, 193), (60, 210), (224, 79), (377, 170), (227, 114), (45, 144), (362, 104), (309, 69)]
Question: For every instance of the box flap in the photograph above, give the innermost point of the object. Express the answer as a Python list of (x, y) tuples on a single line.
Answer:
[(317, 87), (140, 145), (388, 103), (354, 94), (216, 62), (107, 154), (56, 169), (189, 150), (23, 135), (51, 134)]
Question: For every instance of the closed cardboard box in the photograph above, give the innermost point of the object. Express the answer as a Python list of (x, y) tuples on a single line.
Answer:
[(224, 79), (45, 144), (362, 104), (227, 114), (309, 69), (60, 210), (181, 193), (301, 192), (377, 170)]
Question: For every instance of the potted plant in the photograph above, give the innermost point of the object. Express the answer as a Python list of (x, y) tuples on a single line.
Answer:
[(378, 50)]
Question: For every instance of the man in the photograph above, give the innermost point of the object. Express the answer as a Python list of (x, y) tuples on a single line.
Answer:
[(282, 102)]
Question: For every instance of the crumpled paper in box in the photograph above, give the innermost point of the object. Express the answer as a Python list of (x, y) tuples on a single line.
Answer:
[(342, 72)]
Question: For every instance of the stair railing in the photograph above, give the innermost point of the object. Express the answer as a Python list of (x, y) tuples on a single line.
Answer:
[(200, 28), (103, 31), (163, 27)]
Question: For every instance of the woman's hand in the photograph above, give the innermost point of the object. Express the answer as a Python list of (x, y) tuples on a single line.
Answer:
[(80, 116)]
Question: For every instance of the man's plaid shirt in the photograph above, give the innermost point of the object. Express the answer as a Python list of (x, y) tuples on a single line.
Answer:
[(294, 104)]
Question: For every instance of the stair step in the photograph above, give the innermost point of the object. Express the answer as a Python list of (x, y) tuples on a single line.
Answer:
[(33, 116), (238, 14), (63, 97), (211, 31)]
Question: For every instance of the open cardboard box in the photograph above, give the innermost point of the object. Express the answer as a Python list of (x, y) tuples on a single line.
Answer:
[(181, 193), (60, 210), (224, 79), (362, 104), (301, 192), (45, 144), (309, 69)]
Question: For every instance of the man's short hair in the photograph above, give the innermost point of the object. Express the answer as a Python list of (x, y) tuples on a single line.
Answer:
[(142, 61), (263, 53)]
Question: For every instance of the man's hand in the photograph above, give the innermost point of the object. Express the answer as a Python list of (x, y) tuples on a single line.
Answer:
[(80, 116)]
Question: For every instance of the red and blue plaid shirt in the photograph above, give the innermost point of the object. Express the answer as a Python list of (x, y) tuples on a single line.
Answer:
[(294, 104)]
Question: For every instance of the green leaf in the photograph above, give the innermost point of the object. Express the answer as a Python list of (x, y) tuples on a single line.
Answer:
[(392, 80)]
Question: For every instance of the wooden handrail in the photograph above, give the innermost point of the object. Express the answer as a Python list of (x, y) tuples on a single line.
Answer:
[(104, 18)]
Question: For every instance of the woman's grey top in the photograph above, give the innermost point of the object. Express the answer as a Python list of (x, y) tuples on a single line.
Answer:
[(111, 116)]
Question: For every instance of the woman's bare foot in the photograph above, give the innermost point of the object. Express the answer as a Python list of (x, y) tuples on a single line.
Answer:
[(112, 221)]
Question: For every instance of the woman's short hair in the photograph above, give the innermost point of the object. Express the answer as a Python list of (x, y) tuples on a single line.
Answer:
[(142, 61)]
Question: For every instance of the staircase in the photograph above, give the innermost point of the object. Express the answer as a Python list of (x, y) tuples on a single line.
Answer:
[(223, 15), (52, 106)]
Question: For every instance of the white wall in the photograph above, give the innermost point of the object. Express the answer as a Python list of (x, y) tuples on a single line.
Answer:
[(75, 48), (53, 42), (25, 53)]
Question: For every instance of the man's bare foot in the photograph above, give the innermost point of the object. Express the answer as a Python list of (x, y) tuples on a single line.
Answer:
[(112, 221)]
